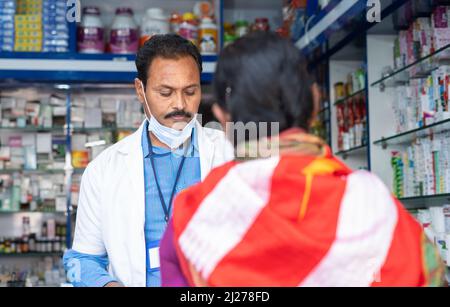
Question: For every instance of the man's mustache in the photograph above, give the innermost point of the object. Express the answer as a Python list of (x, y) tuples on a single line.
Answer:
[(179, 113)]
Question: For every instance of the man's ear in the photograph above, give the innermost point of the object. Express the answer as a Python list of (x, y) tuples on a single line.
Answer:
[(222, 116), (139, 90)]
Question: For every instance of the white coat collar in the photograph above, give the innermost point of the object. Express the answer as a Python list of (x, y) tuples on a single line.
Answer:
[(206, 147)]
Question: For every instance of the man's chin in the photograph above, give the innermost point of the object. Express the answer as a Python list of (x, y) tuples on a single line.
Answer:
[(178, 124)]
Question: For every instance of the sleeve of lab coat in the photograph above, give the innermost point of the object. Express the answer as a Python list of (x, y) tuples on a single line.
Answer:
[(88, 232)]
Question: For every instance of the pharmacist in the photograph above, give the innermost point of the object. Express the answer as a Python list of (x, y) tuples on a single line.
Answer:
[(127, 192)]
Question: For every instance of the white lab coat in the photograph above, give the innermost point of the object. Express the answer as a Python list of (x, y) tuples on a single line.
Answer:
[(111, 207)]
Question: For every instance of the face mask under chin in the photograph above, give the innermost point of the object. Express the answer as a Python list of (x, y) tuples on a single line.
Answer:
[(174, 136)]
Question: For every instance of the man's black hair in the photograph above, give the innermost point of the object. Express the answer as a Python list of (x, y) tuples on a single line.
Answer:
[(262, 78), (167, 46)]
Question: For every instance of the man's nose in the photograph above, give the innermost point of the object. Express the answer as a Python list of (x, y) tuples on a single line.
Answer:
[(180, 102)]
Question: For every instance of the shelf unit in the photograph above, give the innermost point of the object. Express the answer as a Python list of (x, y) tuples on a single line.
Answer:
[(357, 93), (409, 136), (31, 255), (416, 70), (28, 211), (344, 38), (428, 200), (342, 63), (72, 73), (351, 40)]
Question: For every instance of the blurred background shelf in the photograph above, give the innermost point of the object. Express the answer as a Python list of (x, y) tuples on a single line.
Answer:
[(342, 100), (77, 68), (411, 135), (419, 69), (27, 212), (31, 255), (425, 201), (33, 129), (352, 151)]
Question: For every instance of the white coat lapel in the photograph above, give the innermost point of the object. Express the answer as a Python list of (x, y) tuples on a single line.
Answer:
[(136, 240), (206, 150)]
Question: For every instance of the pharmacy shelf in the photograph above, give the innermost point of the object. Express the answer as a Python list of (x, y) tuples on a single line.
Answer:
[(73, 73), (31, 172), (30, 212), (409, 136), (357, 93), (360, 150), (26, 255), (33, 129), (419, 69), (425, 197), (104, 129), (419, 202), (77, 68)]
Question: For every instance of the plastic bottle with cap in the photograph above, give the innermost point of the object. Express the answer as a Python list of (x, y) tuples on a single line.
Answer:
[(208, 36), (124, 32), (90, 33), (154, 22), (189, 28)]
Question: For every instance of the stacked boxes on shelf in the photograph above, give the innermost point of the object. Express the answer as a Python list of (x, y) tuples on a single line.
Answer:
[(423, 168), (105, 111), (423, 101), (92, 112), (7, 11), (82, 154), (398, 169), (43, 113), (436, 223), (28, 26), (441, 27), (435, 95), (32, 192), (424, 36), (32, 151), (40, 25), (55, 27)]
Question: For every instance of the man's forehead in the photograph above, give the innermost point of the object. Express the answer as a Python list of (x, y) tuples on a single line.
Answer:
[(185, 63), (174, 71)]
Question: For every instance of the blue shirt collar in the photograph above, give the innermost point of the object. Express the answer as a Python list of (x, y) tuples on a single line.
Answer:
[(162, 151)]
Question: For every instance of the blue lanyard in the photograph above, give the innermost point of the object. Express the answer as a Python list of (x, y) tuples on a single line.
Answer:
[(166, 208)]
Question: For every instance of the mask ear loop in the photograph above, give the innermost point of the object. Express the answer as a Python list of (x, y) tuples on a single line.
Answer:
[(145, 102)]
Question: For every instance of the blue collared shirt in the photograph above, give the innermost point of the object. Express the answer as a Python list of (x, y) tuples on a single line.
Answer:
[(93, 269), (166, 164)]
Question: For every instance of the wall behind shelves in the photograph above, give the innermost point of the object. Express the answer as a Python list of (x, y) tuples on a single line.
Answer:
[(381, 115)]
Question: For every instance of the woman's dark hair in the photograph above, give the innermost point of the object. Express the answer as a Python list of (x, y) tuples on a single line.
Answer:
[(262, 78), (167, 46)]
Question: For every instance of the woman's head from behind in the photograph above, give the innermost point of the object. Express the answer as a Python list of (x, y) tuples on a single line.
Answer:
[(261, 78)]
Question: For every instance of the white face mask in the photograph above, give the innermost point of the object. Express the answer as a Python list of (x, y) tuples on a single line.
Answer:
[(169, 136)]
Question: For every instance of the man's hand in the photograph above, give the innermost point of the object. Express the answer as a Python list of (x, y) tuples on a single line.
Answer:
[(114, 284)]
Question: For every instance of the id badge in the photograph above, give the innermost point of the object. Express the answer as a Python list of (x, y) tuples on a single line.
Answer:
[(153, 262)]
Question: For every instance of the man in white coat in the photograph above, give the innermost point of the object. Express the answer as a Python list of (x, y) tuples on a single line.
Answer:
[(127, 192)]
